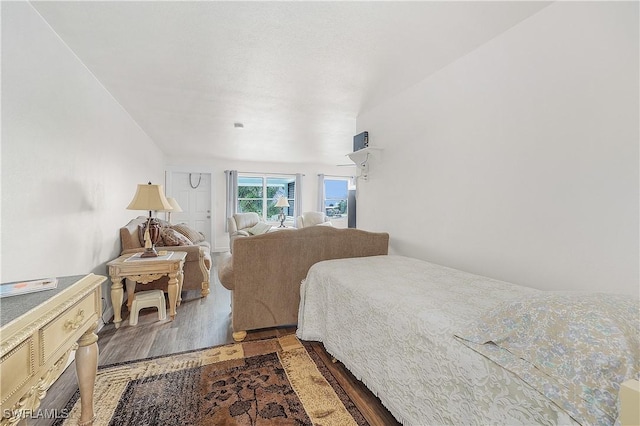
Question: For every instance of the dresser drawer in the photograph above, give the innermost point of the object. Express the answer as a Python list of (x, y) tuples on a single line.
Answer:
[(57, 333), (16, 368)]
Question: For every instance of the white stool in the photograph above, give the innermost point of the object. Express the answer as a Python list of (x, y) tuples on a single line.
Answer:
[(147, 299)]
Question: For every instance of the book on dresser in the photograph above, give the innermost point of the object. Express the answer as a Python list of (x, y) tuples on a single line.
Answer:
[(23, 287)]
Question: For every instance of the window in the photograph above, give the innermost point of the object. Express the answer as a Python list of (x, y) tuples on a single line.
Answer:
[(260, 194), (336, 194)]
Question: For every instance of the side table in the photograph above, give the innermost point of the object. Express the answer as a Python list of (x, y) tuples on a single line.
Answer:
[(135, 269)]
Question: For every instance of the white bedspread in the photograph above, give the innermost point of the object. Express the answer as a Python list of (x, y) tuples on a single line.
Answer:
[(391, 321)]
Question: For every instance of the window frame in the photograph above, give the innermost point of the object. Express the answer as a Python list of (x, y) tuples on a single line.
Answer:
[(344, 216), (266, 199)]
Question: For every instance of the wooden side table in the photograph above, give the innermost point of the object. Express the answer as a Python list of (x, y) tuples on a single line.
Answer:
[(144, 270)]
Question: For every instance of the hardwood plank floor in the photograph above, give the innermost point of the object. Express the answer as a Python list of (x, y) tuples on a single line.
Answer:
[(199, 323)]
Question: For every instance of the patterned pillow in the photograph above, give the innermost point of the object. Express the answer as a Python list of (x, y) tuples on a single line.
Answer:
[(575, 348), (193, 235), (171, 237)]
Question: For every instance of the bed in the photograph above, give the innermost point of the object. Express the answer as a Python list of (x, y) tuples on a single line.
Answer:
[(442, 346)]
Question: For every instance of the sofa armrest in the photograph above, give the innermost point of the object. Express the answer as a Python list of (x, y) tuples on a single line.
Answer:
[(225, 270), (232, 228), (205, 258)]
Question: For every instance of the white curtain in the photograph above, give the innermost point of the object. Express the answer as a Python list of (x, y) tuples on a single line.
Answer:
[(320, 193), (297, 207), (232, 194)]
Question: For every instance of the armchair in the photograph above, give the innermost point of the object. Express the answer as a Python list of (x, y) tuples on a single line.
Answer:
[(238, 225), (310, 219)]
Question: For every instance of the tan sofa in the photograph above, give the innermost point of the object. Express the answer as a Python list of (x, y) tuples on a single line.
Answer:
[(265, 271), (197, 265)]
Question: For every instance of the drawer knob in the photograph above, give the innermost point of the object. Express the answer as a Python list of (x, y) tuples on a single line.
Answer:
[(73, 324)]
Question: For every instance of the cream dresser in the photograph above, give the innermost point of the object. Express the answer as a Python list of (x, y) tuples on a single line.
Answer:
[(38, 331)]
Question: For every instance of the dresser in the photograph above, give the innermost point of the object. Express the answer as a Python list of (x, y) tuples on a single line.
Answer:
[(38, 332)]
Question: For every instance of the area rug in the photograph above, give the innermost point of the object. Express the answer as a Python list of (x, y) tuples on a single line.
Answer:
[(265, 382)]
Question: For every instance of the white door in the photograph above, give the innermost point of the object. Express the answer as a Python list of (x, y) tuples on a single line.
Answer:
[(192, 191)]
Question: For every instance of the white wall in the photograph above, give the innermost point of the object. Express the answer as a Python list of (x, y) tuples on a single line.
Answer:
[(520, 160), (217, 166), (71, 157)]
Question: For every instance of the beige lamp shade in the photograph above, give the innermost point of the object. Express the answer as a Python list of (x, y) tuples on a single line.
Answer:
[(282, 202), (176, 207), (149, 197)]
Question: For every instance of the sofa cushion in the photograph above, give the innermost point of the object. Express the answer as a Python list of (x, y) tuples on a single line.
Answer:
[(171, 237), (193, 235)]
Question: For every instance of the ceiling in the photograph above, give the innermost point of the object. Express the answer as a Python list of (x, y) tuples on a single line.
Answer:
[(296, 74)]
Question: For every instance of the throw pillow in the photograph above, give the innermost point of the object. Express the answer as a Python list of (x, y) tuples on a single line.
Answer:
[(259, 228), (171, 237), (193, 235)]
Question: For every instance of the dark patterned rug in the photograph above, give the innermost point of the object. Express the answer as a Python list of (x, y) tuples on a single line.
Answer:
[(275, 381)]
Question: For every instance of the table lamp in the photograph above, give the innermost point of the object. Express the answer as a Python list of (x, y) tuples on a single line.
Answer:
[(282, 203), (150, 197), (176, 208)]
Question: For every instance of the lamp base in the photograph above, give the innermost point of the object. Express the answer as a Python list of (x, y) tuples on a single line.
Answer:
[(149, 252), (151, 236), (282, 218)]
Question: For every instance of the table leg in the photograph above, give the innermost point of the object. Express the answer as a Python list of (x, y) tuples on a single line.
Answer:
[(173, 293), (116, 299), (131, 289), (86, 369), (180, 282)]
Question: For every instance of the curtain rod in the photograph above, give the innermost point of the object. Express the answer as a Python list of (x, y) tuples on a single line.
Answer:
[(267, 173), (338, 176)]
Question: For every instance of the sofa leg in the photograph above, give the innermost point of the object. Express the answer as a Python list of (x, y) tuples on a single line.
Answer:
[(205, 289), (239, 336)]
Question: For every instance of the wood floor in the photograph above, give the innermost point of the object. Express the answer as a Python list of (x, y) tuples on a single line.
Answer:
[(199, 323)]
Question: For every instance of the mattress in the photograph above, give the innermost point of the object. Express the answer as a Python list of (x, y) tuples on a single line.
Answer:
[(391, 320)]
